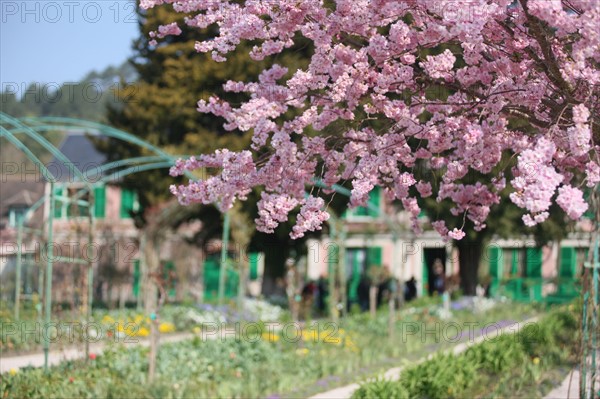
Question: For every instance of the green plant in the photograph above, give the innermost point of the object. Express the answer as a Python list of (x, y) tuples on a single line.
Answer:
[(381, 388), (508, 366)]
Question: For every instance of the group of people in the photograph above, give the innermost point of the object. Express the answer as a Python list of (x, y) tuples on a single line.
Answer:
[(307, 299), (313, 296)]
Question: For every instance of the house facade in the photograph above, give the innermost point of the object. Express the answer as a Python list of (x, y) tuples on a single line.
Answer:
[(515, 267), (114, 247)]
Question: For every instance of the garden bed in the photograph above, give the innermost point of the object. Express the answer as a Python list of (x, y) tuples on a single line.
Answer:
[(267, 364), (121, 325), (528, 365)]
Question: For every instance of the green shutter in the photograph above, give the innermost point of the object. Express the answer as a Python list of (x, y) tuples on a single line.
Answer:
[(568, 262), (373, 208), (136, 277), (373, 256), (127, 200), (100, 202), (496, 259), (534, 262), (374, 197), (253, 260), (515, 262), (58, 204)]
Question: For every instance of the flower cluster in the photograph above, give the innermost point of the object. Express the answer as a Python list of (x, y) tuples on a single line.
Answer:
[(411, 82)]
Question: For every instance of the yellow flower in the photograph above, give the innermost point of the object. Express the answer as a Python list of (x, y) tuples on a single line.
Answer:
[(310, 335), (270, 337), (302, 352), (536, 360), (12, 371), (143, 332), (108, 320), (197, 330), (166, 328)]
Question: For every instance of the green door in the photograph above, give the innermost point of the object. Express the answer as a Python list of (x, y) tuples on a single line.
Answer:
[(355, 259), (533, 269), (212, 270), (567, 272), (211, 278)]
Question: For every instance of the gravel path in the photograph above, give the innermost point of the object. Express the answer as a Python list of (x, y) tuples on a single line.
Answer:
[(57, 356), (563, 391)]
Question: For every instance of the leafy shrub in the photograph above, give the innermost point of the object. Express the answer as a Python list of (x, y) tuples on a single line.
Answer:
[(442, 376), (381, 388), (453, 376)]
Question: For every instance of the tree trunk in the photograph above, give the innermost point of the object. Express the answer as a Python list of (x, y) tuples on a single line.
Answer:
[(373, 300), (469, 255), (275, 253)]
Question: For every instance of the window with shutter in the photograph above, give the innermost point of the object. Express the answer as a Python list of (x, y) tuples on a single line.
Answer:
[(127, 203), (534, 262), (568, 262), (100, 202)]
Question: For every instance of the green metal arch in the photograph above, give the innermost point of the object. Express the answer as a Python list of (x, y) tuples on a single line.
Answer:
[(32, 128), (41, 140)]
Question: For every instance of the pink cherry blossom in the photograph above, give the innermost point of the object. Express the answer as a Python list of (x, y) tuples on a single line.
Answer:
[(571, 200), (456, 234), (378, 97)]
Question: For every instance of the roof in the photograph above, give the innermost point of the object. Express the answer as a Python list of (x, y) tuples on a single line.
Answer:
[(16, 192), (82, 154)]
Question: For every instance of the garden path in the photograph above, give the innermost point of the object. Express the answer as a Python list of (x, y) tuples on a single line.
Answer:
[(76, 352), (569, 389)]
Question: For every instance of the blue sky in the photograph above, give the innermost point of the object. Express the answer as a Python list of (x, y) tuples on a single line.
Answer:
[(60, 41)]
